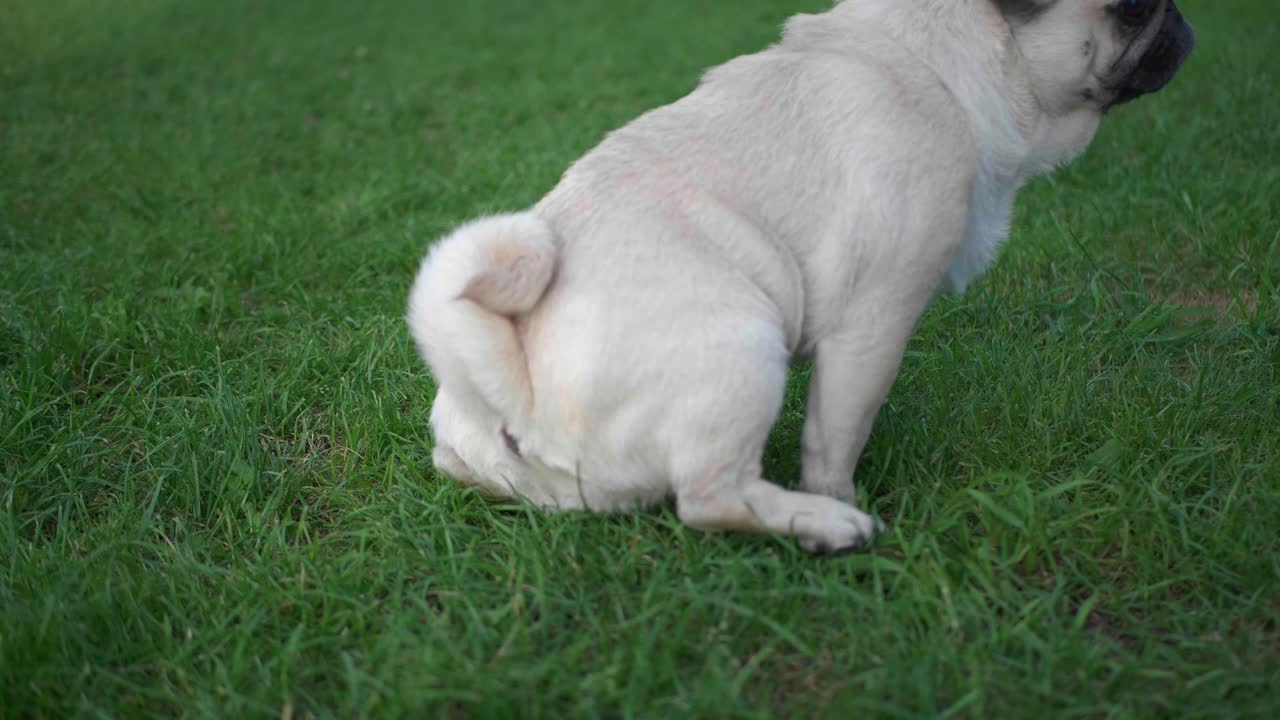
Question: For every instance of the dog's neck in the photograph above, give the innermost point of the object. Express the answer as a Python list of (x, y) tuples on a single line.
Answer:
[(970, 48), (1015, 137)]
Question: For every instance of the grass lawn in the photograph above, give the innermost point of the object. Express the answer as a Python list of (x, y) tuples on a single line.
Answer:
[(215, 490)]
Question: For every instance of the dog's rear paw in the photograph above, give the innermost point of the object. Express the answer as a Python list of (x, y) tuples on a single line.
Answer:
[(843, 530), (449, 463)]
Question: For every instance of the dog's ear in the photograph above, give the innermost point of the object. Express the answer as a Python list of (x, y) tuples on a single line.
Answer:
[(1023, 11)]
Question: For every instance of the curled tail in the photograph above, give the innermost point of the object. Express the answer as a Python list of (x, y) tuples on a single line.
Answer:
[(460, 308)]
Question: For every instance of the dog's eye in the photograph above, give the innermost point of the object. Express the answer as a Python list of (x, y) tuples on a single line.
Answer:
[(1134, 12)]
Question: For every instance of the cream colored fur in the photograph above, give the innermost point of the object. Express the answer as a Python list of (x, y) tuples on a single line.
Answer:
[(629, 337)]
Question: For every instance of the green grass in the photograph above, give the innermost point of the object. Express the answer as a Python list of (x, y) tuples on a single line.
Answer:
[(215, 489)]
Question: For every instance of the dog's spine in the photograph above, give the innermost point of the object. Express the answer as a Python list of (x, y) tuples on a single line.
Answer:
[(471, 286)]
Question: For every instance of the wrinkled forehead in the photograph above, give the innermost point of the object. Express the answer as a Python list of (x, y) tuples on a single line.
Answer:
[(1101, 20), (1085, 11)]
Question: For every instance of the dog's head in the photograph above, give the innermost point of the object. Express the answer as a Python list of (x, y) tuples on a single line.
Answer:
[(1096, 54)]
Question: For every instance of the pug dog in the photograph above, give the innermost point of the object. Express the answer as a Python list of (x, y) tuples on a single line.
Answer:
[(628, 338)]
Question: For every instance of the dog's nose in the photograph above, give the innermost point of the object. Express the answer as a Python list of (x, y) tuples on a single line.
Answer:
[(1169, 50), (1176, 25)]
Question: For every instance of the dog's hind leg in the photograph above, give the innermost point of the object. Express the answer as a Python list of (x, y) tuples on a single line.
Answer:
[(734, 502), (717, 469), (465, 450)]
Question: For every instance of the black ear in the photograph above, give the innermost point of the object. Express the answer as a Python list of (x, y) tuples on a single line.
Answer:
[(1023, 10)]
